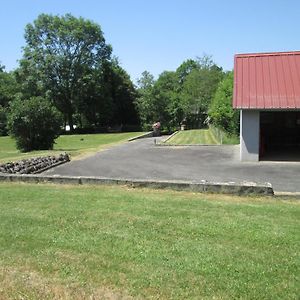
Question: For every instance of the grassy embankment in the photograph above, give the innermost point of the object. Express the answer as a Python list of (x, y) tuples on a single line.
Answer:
[(76, 145), (201, 137), (82, 242)]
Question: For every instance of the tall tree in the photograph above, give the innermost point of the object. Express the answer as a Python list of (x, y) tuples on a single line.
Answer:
[(175, 96), (221, 112), (159, 100), (123, 94), (144, 101), (198, 90), (186, 68), (60, 55), (8, 91), (166, 99), (8, 87)]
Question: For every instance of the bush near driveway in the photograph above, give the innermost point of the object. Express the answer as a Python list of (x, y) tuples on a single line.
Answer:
[(34, 123)]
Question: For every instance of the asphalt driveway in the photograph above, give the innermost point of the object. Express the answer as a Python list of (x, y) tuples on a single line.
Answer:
[(141, 159)]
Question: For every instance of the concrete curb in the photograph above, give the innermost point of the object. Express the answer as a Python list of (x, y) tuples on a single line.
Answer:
[(169, 137), (244, 188), (142, 136), (50, 167), (192, 145)]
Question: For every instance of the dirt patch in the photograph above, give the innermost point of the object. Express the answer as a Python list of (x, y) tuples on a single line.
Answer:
[(26, 284)]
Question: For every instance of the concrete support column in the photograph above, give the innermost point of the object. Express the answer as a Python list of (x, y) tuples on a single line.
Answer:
[(249, 135)]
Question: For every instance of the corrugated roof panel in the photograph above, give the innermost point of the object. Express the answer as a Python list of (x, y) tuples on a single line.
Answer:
[(267, 84), (259, 78), (238, 83), (281, 82), (288, 82), (296, 79), (246, 88), (267, 81), (274, 85), (252, 83)]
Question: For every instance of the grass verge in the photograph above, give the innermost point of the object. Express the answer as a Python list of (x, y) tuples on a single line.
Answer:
[(193, 137), (62, 242), (223, 137), (202, 137), (76, 145)]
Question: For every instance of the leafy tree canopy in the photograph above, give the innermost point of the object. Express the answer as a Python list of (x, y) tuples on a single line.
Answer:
[(186, 68), (182, 95), (221, 112), (60, 56), (144, 101), (8, 91), (8, 87), (198, 90)]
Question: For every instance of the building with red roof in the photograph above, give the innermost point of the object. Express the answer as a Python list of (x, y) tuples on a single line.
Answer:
[(267, 92)]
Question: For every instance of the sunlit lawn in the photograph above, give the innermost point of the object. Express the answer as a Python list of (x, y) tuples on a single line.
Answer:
[(83, 242), (201, 137), (193, 137), (73, 144)]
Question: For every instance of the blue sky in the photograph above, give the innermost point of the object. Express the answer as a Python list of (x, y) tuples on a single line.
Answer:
[(158, 35)]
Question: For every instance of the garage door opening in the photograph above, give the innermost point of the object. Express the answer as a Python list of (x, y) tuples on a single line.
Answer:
[(280, 136)]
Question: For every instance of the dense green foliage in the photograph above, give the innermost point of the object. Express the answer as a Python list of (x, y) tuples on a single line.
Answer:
[(8, 87), (3, 121), (83, 242), (34, 123), (221, 112), (181, 96), (8, 91), (63, 53), (198, 91), (67, 60)]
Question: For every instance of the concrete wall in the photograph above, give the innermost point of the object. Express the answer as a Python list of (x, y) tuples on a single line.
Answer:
[(249, 135), (242, 188)]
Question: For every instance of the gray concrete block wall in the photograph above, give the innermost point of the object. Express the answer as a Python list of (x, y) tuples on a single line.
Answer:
[(243, 188), (249, 135)]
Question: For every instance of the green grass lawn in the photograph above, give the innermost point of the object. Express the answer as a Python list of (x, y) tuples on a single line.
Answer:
[(193, 137), (83, 242), (75, 145), (200, 137)]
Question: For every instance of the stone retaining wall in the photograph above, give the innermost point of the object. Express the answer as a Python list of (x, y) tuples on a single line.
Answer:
[(34, 165), (246, 188)]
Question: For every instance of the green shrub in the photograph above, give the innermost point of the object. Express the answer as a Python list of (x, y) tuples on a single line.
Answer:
[(34, 123), (3, 121), (221, 111)]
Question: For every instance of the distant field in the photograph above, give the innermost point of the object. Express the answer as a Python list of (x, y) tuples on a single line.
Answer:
[(83, 242), (200, 137), (73, 144)]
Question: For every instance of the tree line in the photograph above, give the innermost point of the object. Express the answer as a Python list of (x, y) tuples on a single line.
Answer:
[(197, 94), (68, 76)]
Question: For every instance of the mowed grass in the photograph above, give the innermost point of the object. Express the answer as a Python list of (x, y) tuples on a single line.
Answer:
[(202, 137), (193, 137), (75, 145), (87, 242)]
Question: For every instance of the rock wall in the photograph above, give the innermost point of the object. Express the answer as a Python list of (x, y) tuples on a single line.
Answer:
[(33, 165)]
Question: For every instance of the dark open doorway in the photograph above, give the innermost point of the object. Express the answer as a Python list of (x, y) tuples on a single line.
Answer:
[(280, 135)]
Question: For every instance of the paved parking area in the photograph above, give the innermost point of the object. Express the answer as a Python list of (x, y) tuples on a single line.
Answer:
[(141, 159)]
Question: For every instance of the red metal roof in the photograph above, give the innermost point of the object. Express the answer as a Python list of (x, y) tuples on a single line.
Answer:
[(267, 80)]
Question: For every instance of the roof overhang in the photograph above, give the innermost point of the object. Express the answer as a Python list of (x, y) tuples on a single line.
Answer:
[(267, 81)]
